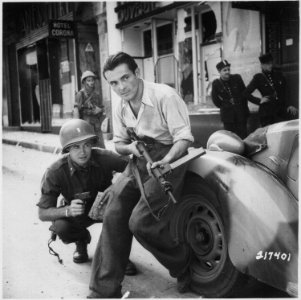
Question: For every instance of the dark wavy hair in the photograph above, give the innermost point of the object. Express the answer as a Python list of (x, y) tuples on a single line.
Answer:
[(117, 59)]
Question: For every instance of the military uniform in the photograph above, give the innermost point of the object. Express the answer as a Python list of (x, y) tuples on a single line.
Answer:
[(228, 96), (65, 178), (89, 110), (272, 85)]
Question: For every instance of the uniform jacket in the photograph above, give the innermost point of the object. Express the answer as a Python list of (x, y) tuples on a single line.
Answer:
[(88, 106), (230, 105), (63, 178), (276, 92)]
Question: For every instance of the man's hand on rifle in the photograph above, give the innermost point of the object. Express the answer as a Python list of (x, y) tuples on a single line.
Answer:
[(133, 149), (155, 164)]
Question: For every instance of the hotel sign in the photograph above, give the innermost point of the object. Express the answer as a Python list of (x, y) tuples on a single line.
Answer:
[(61, 29)]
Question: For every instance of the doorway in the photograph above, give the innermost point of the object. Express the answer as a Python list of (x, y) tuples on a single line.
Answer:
[(29, 93)]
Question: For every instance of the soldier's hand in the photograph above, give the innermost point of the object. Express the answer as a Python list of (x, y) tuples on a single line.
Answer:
[(265, 99), (76, 208)]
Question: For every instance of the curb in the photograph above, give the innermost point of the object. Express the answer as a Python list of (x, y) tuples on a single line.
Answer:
[(43, 148)]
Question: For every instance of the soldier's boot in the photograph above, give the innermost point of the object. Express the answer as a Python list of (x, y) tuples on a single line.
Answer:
[(80, 254)]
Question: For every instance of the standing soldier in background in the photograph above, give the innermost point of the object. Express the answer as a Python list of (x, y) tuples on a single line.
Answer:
[(271, 85), (88, 105), (227, 94)]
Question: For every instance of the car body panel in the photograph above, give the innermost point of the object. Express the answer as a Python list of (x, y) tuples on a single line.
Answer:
[(282, 154), (260, 214)]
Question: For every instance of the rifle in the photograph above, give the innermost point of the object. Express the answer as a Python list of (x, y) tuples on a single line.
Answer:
[(157, 172)]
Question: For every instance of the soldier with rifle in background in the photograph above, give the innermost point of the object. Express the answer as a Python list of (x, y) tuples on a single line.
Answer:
[(88, 105)]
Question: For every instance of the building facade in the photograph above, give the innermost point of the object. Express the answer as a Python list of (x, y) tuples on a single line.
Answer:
[(177, 43), (46, 48)]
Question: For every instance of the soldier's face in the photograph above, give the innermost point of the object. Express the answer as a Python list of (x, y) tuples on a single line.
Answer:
[(124, 82), (267, 67), (90, 82), (80, 153), (225, 73)]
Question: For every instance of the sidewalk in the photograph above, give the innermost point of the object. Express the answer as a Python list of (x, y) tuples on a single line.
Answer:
[(45, 142)]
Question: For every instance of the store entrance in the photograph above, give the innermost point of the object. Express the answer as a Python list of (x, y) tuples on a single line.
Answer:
[(29, 93), (40, 88)]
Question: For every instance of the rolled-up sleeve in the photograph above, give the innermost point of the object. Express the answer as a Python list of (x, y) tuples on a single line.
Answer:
[(50, 190), (177, 118)]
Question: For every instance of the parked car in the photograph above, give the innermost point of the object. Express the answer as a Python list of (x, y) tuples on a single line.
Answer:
[(239, 211)]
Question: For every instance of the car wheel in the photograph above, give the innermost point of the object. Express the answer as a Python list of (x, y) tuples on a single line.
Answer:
[(199, 224)]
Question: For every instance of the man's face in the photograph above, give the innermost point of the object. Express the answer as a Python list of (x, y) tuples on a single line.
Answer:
[(225, 73), (267, 67), (90, 82), (80, 153), (124, 82)]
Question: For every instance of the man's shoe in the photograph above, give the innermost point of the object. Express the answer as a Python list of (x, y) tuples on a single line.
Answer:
[(183, 282), (131, 269), (80, 254)]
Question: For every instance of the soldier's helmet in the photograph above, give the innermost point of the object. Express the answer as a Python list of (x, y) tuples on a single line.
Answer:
[(87, 74), (74, 131)]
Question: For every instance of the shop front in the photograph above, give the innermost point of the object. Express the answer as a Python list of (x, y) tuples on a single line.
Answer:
[(51, 51), (47, 78), (180, 43)]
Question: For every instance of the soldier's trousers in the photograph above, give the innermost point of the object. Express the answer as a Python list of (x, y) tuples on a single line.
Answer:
[(128, 213), (71, 230)]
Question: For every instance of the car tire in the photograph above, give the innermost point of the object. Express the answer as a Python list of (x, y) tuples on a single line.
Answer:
[(199, 223)]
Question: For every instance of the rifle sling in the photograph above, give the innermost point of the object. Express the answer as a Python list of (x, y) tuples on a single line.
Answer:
[(140, 184)]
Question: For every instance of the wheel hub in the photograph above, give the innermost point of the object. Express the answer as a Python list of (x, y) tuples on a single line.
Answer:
[(199, 225)]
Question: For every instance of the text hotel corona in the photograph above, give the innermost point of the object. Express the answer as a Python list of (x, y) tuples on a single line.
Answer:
[(62, 29), (62, 32)]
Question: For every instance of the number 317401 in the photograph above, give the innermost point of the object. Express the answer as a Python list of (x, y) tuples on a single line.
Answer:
[(273, 255)]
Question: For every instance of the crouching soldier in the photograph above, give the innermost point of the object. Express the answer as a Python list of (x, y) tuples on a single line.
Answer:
[(78, 175)]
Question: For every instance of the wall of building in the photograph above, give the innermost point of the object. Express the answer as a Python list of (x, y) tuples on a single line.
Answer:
[(241, 40)]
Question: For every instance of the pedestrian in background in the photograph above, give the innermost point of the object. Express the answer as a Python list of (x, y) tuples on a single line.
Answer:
[(160, 118), (227, 94), (271, 85), (88, 105), (78, 175)]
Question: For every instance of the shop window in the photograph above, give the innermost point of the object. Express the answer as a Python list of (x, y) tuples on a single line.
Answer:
[(147, 43), (208, 26), (164, 39)]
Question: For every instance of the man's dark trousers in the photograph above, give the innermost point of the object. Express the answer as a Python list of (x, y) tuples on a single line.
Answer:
[(128, 214)]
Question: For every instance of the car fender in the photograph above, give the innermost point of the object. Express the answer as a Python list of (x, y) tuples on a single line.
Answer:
[(260, 215)]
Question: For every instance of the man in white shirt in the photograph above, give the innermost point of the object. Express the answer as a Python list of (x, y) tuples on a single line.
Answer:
[(160, 118)]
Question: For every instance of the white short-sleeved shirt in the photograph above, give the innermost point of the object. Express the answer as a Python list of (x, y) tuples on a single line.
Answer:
[(163, 116)]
